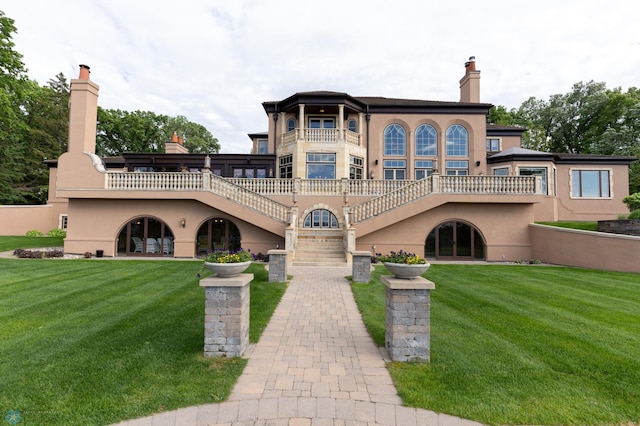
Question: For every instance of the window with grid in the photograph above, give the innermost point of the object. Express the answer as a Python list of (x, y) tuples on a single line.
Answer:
[(286, 166), (426, 140), (395, 141), (457, 141), (493, 145), (457, 168), (395, 169), (321, 166), (356, 167), (423, 169), (291, 124), (590, 184)]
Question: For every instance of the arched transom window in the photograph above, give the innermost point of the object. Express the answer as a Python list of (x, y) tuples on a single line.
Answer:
[(321, 219), (426, 140), (457, 141), (395, 140)]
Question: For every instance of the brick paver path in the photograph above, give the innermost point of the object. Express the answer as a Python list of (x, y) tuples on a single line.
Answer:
[(315, 364)]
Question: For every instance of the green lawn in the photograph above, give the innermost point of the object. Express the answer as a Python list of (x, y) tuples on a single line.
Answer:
[(99, 341), (585, 226), (524, 344)]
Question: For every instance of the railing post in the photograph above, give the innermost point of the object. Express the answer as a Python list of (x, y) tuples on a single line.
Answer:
[(345, 189), (206, 180), (538, 185), (435, 183)]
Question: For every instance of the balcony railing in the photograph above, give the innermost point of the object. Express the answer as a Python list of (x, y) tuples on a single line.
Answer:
[(388, 194), (321, 136)]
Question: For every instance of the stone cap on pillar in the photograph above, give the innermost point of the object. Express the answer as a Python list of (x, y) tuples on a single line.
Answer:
[(240, 280), (418, 283)]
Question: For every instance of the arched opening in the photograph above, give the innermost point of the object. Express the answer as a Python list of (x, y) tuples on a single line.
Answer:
[(455, 240), (145, 236), (217, 234), (321, 219)]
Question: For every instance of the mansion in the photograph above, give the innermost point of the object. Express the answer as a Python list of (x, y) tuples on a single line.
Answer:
[(333, 174)]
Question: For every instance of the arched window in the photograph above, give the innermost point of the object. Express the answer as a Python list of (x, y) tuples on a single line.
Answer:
[(426, 140), (217, 234), (395, 141), (455, 240), (457, 141), (145, 236), (321, 219), (352, 126), (291, 124)]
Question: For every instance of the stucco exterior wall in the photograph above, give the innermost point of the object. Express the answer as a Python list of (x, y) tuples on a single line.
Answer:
[(585, 249), (17, 220), (97, 224), (503, 227)]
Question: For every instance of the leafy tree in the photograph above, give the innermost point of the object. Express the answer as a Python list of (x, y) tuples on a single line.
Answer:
[(15, 88), (197, 139), (122, 131)]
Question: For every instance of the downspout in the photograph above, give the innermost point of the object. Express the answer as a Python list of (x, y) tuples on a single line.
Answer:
[(367, 117), (275, 130)]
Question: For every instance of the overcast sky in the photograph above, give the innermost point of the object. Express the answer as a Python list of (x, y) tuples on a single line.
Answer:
[(216, 61)]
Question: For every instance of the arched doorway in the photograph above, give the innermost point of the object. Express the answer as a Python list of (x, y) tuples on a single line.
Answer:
[(217, 233), (145, 236), (455, 240), (321, 218)]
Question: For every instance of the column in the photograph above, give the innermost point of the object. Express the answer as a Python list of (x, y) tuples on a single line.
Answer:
[(408, 318), (226, 315)]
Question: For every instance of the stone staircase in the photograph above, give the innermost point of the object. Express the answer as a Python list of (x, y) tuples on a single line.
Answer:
[(320, 248)]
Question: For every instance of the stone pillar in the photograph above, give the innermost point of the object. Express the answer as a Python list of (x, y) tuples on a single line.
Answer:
[(408, 319), (361, 266), (226, 315), (277, 266)]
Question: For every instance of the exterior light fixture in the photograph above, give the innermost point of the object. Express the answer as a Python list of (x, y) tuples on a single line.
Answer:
[(183, 222)]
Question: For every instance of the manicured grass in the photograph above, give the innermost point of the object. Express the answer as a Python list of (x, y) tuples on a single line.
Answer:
[(585, 226), (12, 243), (517, 344), (99, 341)]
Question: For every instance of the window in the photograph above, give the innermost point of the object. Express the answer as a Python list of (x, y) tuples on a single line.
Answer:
[(426, 140), (322, 123), (423, 169), (590, 184), (291, 124), (395, 140), (320, 219), (63, 221), (457, 168), (457, 141), (261, 173), (356, 169), (493, 145), (502, 171), (352, 125), (263, 146), (394, 169), (321, 166), (286, 167), (536, 171)]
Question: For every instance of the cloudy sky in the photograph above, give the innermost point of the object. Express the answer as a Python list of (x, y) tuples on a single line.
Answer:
[(216, 61)]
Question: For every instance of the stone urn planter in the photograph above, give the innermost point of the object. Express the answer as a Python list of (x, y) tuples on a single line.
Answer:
[(406, 271), (227, 270)]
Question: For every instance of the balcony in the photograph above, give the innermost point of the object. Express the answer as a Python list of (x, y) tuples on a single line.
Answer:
[(321, 136)]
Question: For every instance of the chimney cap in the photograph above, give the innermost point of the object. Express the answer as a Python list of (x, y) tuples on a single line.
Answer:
[(85, 70)]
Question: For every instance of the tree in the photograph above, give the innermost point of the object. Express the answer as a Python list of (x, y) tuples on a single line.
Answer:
[(122, 131), (197, 139), (144, 131), (15, 89)]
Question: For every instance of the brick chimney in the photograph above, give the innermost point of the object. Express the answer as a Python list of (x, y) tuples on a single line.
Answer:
[(470, 83), (83, 111), (176, 146)]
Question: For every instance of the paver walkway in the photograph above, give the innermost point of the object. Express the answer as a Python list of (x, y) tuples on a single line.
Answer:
[(315, 364)]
